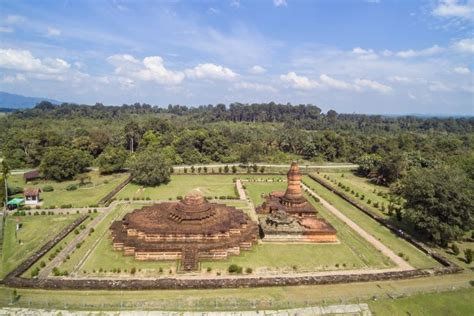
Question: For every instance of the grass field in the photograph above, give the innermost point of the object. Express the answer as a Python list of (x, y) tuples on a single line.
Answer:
[(180, 185), (85, 195), (416, 258), (35, 232), (257, 190), (361, 185), (252, 298), (434, 304)]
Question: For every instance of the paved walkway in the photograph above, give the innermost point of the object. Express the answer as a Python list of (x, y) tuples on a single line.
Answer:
[(240, 189), (402, 264), (62, 255), (351, 309)]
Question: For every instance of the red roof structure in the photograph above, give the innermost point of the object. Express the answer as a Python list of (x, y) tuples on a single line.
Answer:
[(189, 230)]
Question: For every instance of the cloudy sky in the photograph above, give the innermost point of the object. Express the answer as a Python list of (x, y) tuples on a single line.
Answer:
[(373, 56)]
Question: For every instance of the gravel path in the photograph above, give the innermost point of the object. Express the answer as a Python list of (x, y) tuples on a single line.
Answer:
[(402, 264)]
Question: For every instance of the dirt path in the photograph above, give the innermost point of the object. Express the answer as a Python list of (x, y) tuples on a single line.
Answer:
[(402, 264), (240, 189)]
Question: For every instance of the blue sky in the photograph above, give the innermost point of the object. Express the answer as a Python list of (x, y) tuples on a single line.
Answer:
[(375, 56)]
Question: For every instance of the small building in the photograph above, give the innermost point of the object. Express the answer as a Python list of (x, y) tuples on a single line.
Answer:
[(32, 196), (31, 175)]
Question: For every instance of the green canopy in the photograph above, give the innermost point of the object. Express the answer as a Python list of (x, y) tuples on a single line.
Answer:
[(16, 202)]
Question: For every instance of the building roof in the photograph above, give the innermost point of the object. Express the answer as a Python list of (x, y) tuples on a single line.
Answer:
[(30, 175), (16, 201), (31, 191)]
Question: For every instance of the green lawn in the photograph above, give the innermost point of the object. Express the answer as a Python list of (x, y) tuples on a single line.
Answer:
[(257, 190), (416, 258), (239, 299), (86, 195), (353, 252), (459, 302), (35, 232), (180, 185)]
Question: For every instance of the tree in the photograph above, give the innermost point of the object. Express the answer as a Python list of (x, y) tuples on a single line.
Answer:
[(62, 163), (392, 168), (368, 163), (468, 255), (455, 249), (112, 159), (439, 203), (4, 182), (149, 167)]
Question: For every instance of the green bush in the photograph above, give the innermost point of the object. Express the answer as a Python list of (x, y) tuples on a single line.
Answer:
[(48, 188), (233, 268), (71, 187)]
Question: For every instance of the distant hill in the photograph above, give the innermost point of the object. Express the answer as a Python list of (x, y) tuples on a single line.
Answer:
[(16, 101)]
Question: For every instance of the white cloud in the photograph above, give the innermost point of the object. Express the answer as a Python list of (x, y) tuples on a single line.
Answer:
[(210, 71), (465, 45), (439, 87), (299, 82), (401, 79), (53, 32), (14, 19), (279, 3), (256, 70), (462, 70), (155, 71), (212, 10), (6, 29), (452, 8), (374, 85), (13, 79), (235, 3), (152, 68), (364, 54), (23, 60), (254, 86), (336, 84), (420, 53), (117, 60)]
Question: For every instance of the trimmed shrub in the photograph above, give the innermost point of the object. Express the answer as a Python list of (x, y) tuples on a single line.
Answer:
[(71, 187), (48, 188)]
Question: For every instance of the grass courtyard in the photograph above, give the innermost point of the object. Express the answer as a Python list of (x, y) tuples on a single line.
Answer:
[(416, 258), (34, 233), (180, 185), (353, 252), (86, 195)]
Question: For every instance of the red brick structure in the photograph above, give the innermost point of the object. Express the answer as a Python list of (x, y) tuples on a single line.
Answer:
[(190, 230), (288, 216)]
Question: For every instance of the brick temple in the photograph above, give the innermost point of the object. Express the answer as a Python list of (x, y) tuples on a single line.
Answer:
[(289, 217), (189, 230)]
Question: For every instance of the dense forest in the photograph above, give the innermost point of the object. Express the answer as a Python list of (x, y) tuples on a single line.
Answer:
[(427, 161), (237, 133)]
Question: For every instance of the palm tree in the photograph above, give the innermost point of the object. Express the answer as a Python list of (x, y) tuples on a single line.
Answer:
[(5, 173)]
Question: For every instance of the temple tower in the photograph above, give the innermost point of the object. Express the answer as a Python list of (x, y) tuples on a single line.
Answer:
[(293, 195)]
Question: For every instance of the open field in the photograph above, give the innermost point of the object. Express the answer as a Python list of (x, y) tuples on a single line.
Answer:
[(416, 258), (257, 190), (35, 232), (85, 195), (239, 299), (433, 304), (211, 185)]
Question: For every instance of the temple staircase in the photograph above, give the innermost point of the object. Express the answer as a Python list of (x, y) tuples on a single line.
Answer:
[(189, 262)]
